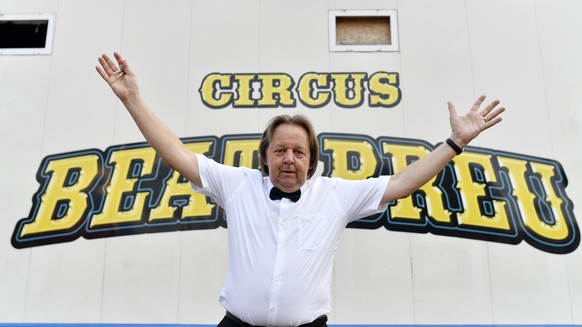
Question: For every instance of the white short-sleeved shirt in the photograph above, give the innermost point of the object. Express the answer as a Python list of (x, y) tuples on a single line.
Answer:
[(281, 252)]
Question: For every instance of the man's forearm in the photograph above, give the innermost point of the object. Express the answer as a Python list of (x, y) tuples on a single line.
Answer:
[(168, 146), (412, 177)]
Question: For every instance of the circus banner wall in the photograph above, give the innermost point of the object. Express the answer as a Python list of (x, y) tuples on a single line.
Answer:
[(96, 229)]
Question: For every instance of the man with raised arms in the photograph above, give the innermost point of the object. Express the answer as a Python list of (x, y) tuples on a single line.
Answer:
[(283, 226)]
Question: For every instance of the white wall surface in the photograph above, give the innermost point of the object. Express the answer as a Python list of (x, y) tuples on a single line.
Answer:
[(526, 53)]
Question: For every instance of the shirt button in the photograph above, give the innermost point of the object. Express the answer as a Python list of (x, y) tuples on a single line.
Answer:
[(278, 278), (273, 309)]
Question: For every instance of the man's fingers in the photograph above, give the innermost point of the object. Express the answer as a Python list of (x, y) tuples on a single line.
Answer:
[(478, 103), (452, 109), (123, 65), (489, 114), (493, 117), (102, 73), (492, 122), (488, 109), (495, 113), (109, 68), (108, 64)]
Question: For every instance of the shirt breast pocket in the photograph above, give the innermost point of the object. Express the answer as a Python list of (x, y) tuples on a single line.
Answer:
[(313, 231)]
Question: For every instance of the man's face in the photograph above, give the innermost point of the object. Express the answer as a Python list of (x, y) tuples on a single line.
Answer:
[(288, 157)]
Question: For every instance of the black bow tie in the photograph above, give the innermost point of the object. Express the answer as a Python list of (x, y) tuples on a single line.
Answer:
[(277, 194)]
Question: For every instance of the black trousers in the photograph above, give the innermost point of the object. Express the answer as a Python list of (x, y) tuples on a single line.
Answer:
[(230, 320)]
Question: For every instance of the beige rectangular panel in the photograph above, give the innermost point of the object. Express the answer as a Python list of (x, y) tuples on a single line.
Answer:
[(79, 113), (141, 281), (156, 44), (202, 273), (24, 84), (35, 6), (507, 64), (451, 280), (141, 278), (224, 39), (562, 75), (364, 4), (436, 66), (528, 287), (373, 283), (574, 261), (65, 283)]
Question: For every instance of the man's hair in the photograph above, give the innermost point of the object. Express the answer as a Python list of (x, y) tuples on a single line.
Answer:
[(298, 120)]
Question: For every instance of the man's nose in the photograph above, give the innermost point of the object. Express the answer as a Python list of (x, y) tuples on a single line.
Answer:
[(288, 158)]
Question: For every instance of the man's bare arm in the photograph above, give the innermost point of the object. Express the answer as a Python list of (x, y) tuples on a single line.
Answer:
[(123, 82)]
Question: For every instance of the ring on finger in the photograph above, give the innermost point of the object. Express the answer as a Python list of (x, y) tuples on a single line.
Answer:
[(120, 72), (485, 118)]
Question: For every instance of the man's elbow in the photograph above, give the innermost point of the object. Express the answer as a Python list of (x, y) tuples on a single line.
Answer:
[(397, 189)]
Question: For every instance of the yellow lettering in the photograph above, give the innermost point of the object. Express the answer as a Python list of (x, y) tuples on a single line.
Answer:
[(124, 203), (526, 200), (240, 152), (473, 192), (384, 91), (405, 208), (244, 90), (309, 95), (345, 151), (348, 89), (211, 90), (276, 90), (64, 200), (197, 205)]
